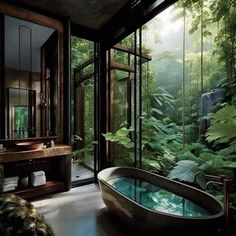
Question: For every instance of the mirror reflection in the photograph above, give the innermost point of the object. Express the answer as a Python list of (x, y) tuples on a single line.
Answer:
[(31, 79), (21, 113)]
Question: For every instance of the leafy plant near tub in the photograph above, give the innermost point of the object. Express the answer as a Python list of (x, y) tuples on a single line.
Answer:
[(121, 136), (221, 131), (160, 142), (211, 162)]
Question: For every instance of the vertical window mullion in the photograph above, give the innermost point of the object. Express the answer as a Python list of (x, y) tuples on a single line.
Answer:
[(135, 98), (140, 97)]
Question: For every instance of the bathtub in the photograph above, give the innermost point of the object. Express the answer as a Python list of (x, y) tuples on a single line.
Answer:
[(136, 214)]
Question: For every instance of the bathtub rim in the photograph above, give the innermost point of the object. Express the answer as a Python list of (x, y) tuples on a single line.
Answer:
[(212, 216)]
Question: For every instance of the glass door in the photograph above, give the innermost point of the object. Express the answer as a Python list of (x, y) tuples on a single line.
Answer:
[(83, 102)]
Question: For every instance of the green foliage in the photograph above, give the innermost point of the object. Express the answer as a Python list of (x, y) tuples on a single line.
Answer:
[(184, 171), (228, 150), (221, 132), (197, 157), (223, 13), (84, 155), (160, 143), (81, 51), (161, 164), (161, 100), (21, 121), (223, 126), (121, 136), (224, 115), (215, 19)]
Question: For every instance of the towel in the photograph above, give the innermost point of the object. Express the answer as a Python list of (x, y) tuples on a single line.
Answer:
[(9, 185), (10, 182), (38, 184), (38, 173), (6, 189), (38, 179), (9, 179)]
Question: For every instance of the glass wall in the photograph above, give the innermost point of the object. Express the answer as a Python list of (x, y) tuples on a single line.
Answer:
[(83, 107), (120, 79), (182, 88), (186, 89), (127, 60)]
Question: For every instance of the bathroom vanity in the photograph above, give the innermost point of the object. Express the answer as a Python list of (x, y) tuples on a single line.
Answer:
[(54, 161)]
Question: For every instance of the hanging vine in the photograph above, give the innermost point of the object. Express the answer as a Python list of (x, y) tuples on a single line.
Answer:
[(222, 12)]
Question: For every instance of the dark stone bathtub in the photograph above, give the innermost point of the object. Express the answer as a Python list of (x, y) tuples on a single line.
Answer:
[(138, 215)]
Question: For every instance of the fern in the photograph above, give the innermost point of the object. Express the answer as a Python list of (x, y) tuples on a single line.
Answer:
[(226, 114), (222, 132), (223, 127)]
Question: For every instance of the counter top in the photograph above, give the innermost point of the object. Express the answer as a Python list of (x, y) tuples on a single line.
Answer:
[(11, 155)]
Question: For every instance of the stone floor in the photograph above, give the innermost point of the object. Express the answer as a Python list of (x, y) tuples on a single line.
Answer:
[(79, 172), (81, 212)]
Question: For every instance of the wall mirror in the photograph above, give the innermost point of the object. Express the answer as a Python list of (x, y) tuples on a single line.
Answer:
[(30, 100)]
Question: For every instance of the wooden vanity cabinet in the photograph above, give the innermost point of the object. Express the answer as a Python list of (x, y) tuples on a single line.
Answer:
[(54, 161)]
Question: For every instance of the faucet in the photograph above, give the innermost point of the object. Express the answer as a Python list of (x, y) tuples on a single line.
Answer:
[(222, 181)]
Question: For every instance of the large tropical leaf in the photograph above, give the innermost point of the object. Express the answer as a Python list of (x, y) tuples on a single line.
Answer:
[(159, 112), (121, 137), (158, 101), (207, 156), (223, 126), (230, 164), (221, 132), (184, 171), (186, 155), (126, 142), (201, 180), (229, 150), (154, 164), (110, 137), (227, 113), (122, 132)]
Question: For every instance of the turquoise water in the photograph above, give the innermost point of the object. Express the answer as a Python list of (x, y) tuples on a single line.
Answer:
[(156, 198)]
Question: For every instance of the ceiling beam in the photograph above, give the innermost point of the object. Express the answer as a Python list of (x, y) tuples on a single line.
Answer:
[(131, 17), (85, 33)]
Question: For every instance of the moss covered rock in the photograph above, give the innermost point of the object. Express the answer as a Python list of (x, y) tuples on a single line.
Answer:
[(19, 217)]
